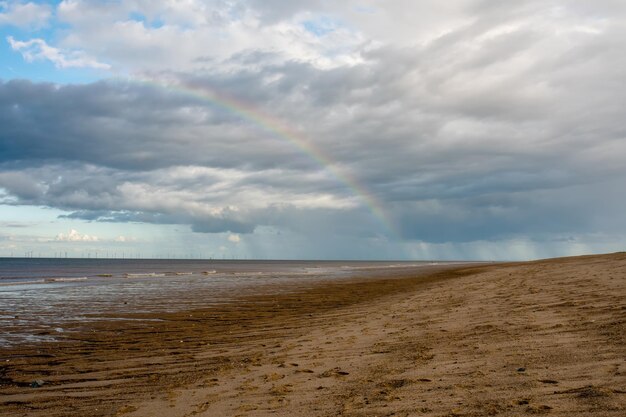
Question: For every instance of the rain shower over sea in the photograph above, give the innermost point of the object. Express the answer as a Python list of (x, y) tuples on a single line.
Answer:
[(39, 297)]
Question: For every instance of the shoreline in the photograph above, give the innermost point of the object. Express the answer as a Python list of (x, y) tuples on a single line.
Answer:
[(39, 310), (506, 339)]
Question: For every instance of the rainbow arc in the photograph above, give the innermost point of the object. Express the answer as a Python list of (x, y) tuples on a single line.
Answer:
[(279, 129)]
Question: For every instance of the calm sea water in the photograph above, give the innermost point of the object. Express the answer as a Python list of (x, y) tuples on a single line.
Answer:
[(38, 296)]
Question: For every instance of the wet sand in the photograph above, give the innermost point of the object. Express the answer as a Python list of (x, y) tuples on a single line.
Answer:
[(545, 337)]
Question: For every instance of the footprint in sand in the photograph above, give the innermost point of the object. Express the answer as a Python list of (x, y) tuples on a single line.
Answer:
[(336, 372)]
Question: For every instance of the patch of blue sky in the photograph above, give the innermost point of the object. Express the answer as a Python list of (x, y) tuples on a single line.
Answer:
[(153, 23), (14, 66), (53, 3), (139, 17), (29, 214), (322, 26), (156, 23)]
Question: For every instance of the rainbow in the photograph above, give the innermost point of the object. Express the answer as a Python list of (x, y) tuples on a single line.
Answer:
[(277, 128)]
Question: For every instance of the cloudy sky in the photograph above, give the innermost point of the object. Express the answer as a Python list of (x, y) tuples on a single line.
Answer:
[(362, 129)]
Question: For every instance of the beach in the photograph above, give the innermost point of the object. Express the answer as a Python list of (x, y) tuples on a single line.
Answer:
[(544, 337)]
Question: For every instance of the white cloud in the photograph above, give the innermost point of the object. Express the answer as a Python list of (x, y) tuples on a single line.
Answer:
[(125, 239), (24, 15), (164, 35), (38, 49), (234, 238), (75, 236)]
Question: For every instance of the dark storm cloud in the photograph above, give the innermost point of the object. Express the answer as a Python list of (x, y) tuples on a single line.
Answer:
[(476, 219), (203, 224), (126, 126)]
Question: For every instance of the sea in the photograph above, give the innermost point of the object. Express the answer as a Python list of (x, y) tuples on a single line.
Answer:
[(40, 296)]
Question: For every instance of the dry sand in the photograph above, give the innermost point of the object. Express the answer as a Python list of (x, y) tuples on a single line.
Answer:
[(544, 337)]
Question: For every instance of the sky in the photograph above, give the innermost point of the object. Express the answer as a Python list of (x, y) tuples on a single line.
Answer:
[(265, 129)]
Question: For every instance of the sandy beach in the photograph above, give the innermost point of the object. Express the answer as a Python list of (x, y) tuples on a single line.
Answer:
[(545, 337)]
